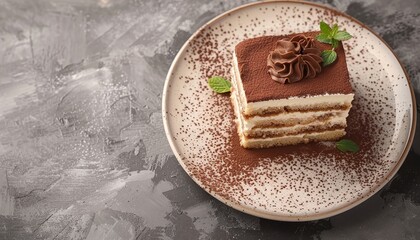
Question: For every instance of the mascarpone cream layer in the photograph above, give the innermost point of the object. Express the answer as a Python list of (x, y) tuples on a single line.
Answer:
[(297, 118)]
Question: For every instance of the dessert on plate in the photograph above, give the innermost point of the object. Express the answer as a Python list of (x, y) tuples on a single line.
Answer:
[(282, 94)]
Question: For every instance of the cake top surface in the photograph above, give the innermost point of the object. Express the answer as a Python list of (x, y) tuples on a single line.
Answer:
[(259, 86)]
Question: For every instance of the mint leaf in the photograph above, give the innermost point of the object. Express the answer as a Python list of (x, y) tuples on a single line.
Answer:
[(346, 145), (219, 84), (324, 38), (332, 36), (342, 36), (334, 31), (328, 57), (325, 28)]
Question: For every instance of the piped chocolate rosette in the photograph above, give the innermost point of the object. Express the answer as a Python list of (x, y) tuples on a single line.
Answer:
[(294, 59)]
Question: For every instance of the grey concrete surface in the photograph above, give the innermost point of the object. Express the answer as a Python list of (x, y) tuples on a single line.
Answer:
[(83, 153)]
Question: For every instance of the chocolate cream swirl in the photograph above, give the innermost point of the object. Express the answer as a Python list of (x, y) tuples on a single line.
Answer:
[(294, 59)]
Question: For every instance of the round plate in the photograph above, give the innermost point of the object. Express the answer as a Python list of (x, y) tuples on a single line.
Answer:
[(295, 183)]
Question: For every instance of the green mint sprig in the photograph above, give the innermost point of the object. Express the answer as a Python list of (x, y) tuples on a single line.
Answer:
[(346, 145), (333, 36), (219, 84)]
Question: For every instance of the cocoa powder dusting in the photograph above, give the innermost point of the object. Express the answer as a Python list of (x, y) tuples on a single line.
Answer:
[(224, 168), (233, 164)]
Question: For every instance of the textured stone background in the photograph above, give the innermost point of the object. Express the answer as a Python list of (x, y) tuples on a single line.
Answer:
[(83, 154)]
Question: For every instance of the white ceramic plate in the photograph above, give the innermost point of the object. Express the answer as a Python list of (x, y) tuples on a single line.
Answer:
[(304, 182)]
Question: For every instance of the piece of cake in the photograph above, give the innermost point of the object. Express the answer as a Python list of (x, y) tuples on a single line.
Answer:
[(283, 96)]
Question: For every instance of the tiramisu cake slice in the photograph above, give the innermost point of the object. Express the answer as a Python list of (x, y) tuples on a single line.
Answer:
[(283, 96)]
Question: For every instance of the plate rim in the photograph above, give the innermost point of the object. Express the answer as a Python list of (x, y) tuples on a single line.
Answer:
[(266, 214)]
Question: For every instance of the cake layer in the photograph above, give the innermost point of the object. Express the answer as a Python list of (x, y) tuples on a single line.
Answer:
[(287, 123), (294, 130), (288, 136), (292, 104), (287, 120), (291, 140), (317, 103), (251, 60)]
